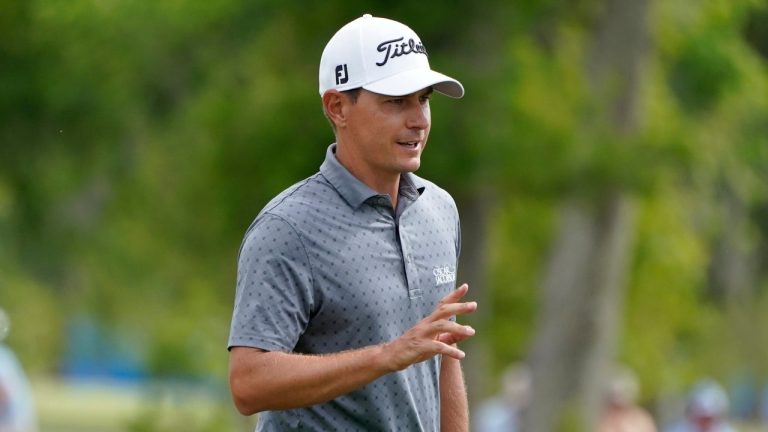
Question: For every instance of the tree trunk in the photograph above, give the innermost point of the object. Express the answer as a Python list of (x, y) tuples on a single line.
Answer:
[(473, 269), (732, 275), (583, 288), (578, 323)]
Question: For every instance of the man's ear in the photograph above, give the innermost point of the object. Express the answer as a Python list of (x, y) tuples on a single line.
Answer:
[(333, 104)]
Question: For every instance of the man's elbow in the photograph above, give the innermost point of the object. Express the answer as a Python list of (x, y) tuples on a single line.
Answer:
[(245, 399), (244, 407)]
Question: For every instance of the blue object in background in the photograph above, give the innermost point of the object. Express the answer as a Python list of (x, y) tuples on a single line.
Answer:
[(744, 396), (96, 352)]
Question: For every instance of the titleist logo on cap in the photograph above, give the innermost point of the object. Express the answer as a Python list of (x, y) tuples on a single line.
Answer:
[(382, 56), (392, 49)]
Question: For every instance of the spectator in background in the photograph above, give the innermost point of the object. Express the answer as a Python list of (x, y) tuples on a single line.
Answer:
[(707, 410), (502, 412), (620, 412), (17, 412), (762, 409)]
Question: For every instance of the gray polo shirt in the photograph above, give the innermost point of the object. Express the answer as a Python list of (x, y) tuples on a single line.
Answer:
[(328, 266)]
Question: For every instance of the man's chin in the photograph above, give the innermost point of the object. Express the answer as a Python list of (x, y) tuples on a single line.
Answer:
[(410, 168)]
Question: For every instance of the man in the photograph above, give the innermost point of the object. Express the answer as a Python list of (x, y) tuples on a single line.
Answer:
[(706, 411), (17, 410), (620, 411), (503, 412), (345, 310)]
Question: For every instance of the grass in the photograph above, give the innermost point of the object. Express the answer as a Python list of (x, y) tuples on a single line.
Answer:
[(109, 406)]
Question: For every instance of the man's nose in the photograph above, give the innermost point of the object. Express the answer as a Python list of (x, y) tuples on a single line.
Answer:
[(418, 117)]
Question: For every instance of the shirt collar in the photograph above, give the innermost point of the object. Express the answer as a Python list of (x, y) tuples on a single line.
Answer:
[(356, 192), (411, 186)]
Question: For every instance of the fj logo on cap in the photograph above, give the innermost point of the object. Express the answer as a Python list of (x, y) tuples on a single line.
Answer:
[(392, 49), (341, 74)]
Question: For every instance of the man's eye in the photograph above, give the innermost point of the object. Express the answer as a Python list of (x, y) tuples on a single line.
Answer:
[(397, 101)]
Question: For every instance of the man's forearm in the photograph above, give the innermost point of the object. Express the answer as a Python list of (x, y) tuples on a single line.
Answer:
[(275, 380), (262, 380), (454, 408)]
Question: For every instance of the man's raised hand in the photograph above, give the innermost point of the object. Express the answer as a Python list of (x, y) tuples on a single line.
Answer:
[(435, 334)]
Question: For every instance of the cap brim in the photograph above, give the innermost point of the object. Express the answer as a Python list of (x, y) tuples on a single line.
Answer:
[(413, 80)]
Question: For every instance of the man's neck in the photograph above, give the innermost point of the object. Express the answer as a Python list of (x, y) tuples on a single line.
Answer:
[(383, 184)]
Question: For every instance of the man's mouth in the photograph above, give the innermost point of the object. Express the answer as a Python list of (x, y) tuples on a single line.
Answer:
[(409, 144)]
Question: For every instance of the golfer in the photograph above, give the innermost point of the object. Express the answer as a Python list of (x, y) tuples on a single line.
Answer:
[(344, 316)]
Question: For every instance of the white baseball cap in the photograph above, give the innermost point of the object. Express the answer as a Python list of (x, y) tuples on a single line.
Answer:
[(382, 56), (708, 399)]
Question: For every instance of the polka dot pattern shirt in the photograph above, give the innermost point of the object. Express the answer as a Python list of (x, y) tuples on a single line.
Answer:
[(329, 266)]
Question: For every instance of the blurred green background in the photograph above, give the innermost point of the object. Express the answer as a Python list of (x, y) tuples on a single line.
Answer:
[(138, 140)]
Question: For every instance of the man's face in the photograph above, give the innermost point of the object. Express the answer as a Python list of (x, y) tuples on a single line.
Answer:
[(705, 422), (386, 134)]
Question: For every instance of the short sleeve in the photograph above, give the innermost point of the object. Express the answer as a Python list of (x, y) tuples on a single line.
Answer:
[(273, 300), (458, 236)]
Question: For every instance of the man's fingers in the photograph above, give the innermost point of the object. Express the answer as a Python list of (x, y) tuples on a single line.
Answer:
[(445, 326), (439, 330), (446, 310), (436, 347), (456, 294), (435, 334), (450, 306), (449, 350), (456, 337)]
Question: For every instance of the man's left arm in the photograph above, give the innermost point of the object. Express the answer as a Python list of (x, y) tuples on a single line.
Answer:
[(454, 408)]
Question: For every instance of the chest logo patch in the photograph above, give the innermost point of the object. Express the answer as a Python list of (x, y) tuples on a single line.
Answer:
[(444, 274)]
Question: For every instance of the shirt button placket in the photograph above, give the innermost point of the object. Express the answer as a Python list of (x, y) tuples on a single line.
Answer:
[(410, 267)]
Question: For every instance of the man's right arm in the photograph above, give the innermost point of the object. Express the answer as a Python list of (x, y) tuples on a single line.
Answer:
[(270, 380)]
